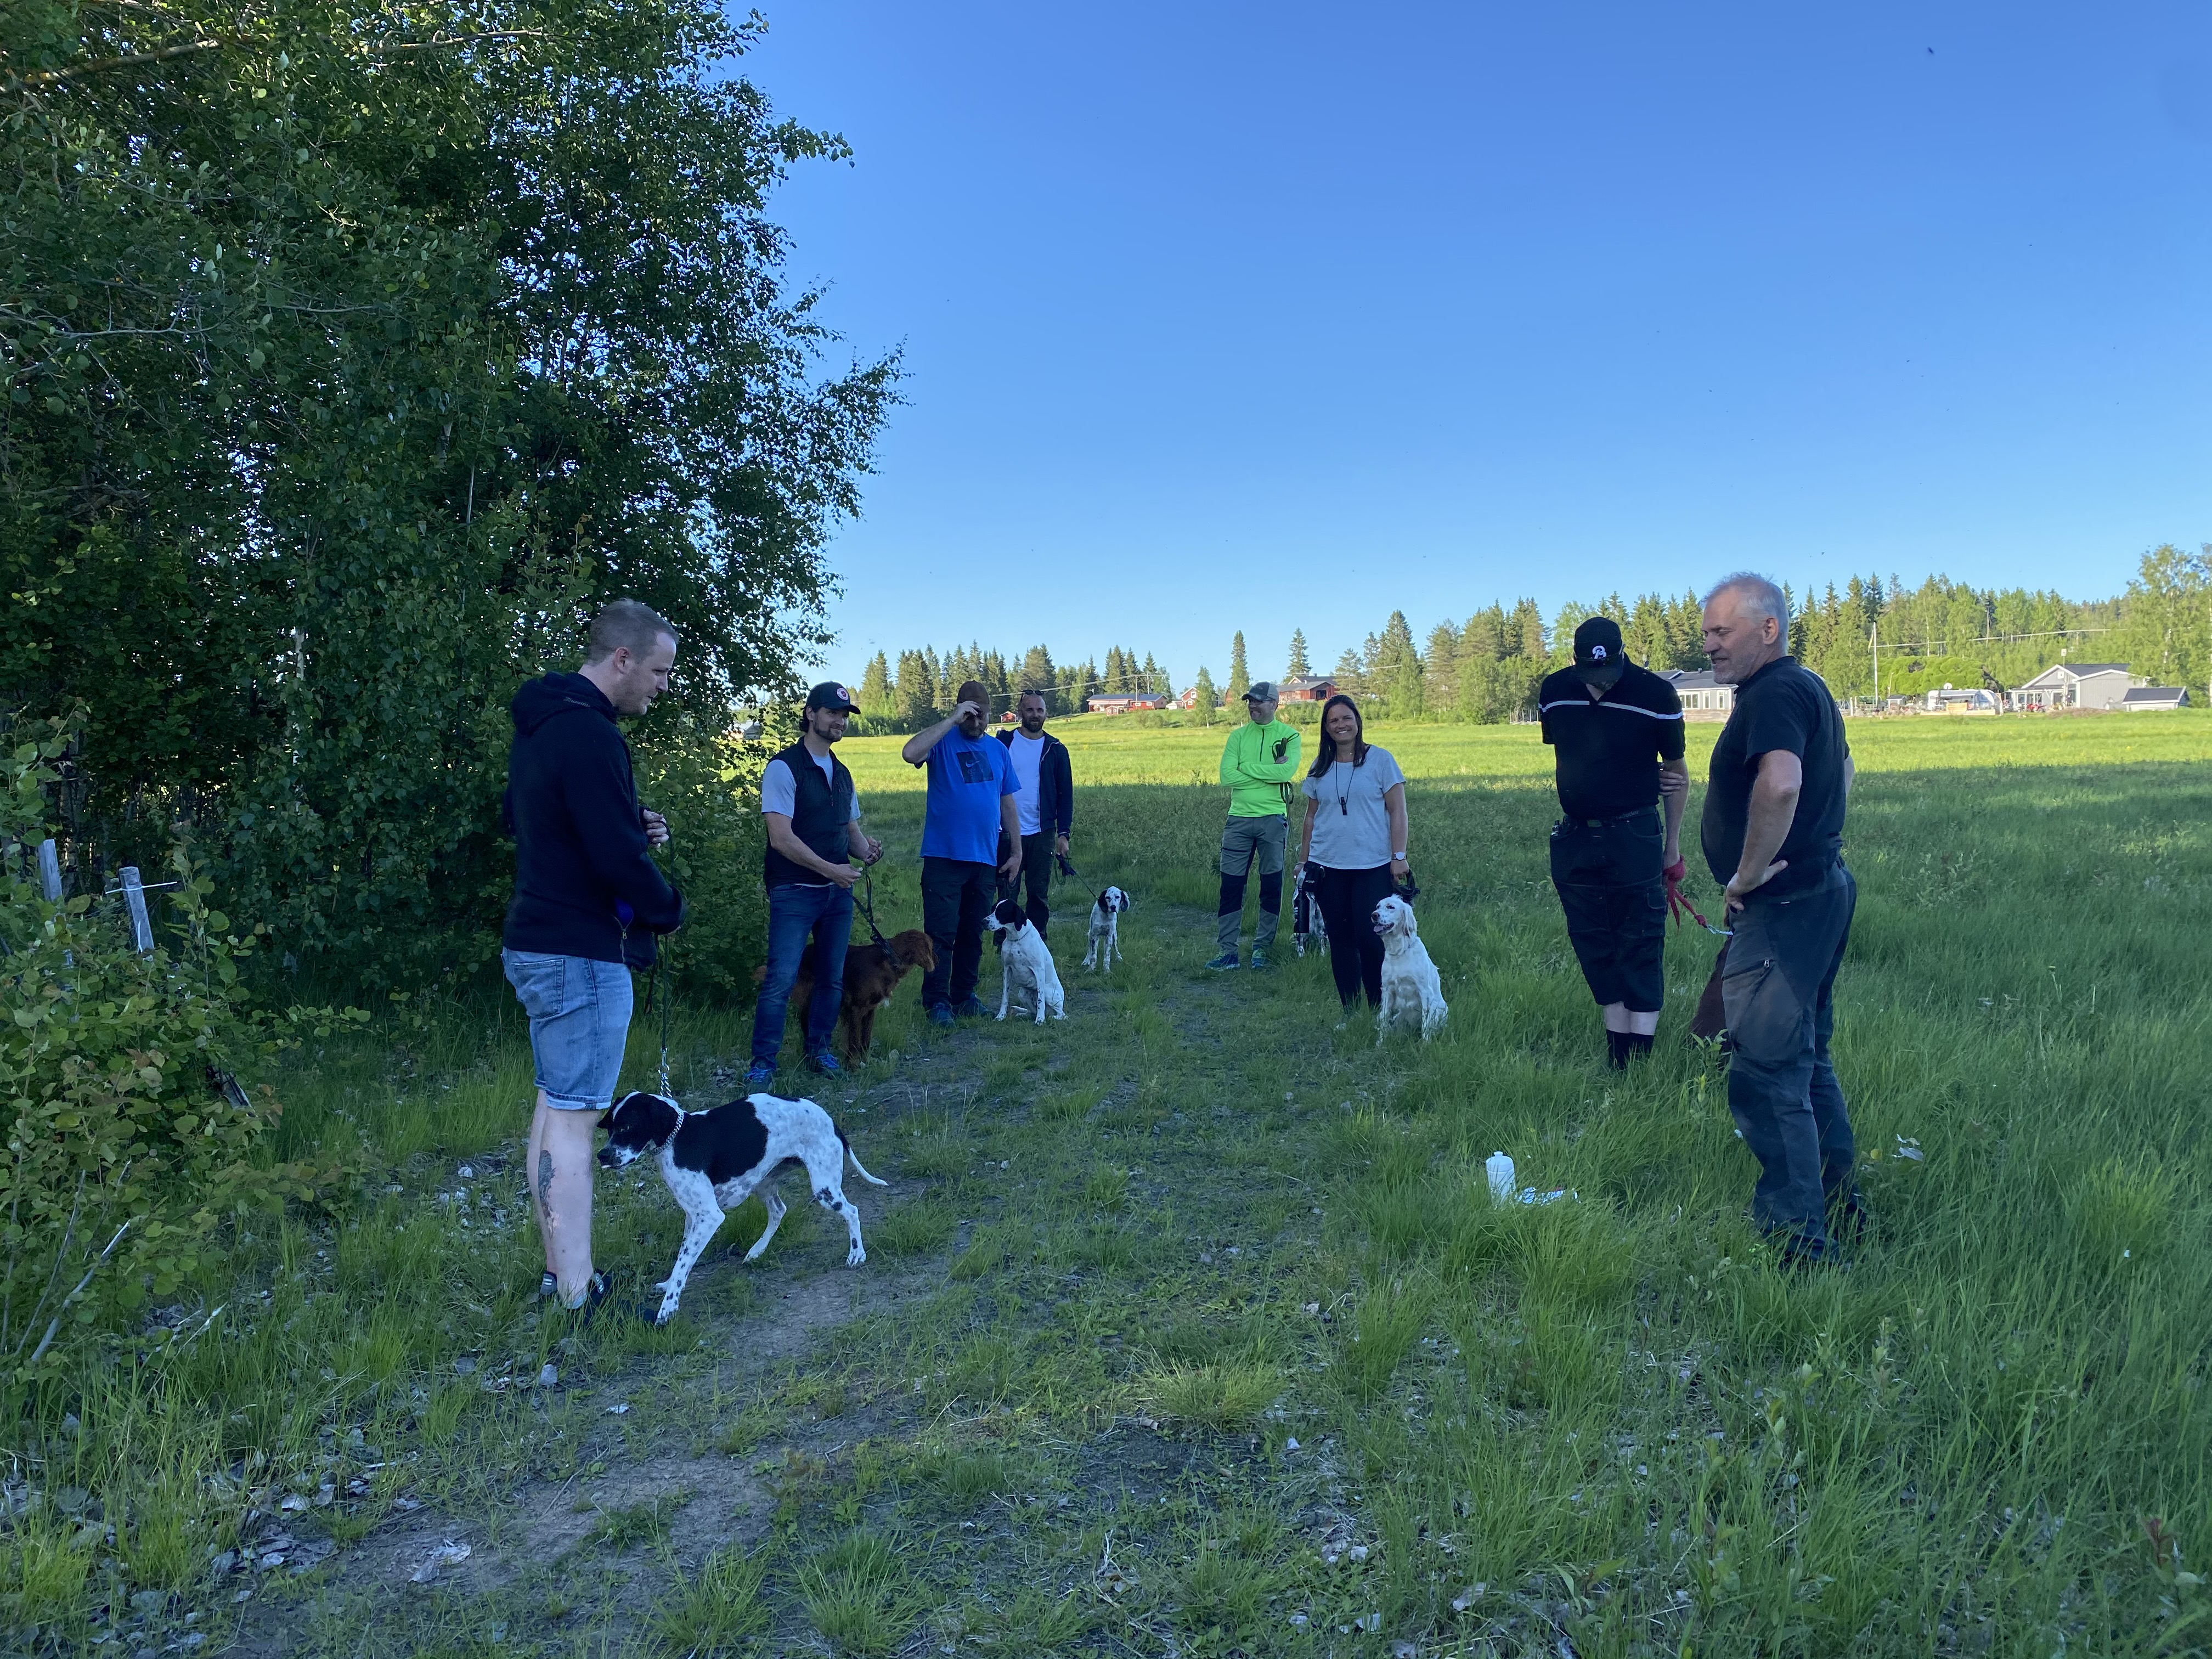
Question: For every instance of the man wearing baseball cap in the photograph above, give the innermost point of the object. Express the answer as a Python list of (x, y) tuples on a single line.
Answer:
[(813, 817), (1260, 764), (1616, 732)]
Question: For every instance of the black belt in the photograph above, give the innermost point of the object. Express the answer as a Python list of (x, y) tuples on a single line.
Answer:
[(1604, 824)]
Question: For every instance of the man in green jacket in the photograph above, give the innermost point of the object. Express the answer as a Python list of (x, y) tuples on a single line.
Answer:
[(1260, 764)]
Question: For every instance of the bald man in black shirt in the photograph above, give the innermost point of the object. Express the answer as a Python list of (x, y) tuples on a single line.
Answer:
[(1616, 730)]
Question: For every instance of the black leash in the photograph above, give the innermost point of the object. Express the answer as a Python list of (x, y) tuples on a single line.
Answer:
[(868, 905), (666, 1003)]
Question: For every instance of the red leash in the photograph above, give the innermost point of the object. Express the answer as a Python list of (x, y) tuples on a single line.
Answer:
[(1678, 903)]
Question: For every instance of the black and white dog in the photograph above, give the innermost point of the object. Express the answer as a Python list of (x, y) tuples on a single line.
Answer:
[(1106, 929), (713, 1161), (1307, 926), (1025, 962)]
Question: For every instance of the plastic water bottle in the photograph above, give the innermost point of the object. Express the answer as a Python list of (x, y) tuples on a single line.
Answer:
[(1499, 1169)]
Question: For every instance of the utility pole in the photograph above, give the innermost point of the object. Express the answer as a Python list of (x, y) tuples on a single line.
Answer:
[(1874, 638)]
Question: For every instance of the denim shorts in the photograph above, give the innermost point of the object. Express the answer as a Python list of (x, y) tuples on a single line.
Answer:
[(578, 1014)]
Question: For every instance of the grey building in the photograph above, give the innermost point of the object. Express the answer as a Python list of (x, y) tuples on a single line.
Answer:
[(2075, 685)]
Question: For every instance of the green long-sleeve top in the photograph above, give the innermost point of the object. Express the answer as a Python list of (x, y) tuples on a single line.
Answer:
[(1260, 764)]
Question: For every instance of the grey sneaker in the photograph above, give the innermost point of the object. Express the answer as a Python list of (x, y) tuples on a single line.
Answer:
[(1225, 962)]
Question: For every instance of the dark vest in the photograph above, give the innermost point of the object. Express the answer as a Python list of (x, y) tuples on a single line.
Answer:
[(818, 818)]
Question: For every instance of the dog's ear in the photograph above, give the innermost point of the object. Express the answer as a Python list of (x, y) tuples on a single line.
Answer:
[(606, 1120)]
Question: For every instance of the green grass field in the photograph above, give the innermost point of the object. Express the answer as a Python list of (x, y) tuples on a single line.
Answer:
[(1189, 1329)]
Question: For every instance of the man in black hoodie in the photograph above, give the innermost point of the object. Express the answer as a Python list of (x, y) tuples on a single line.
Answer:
[(587, 902)]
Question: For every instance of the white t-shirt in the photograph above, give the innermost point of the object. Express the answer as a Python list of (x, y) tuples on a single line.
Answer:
[(1352, 829), (779, 790), (1028, 755)]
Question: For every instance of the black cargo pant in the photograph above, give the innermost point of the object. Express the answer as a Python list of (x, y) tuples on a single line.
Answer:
[(1036, 876), (1608, 874), (956, 895), (1778, 987)]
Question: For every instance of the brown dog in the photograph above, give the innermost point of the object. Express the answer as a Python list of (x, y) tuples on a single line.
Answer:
[(873, 973)]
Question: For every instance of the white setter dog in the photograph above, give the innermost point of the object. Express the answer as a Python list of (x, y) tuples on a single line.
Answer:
[(1412, 992)]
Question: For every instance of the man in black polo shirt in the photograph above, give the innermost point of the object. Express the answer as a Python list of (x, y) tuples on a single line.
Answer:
[(1773, 837), (813, 817), (1617, 732)]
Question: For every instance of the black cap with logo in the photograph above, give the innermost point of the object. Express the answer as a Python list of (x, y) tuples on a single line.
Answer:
[(830, 695), (1599, 654)]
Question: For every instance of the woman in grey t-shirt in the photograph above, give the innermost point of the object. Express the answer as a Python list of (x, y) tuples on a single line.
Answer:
[(1354, 848)]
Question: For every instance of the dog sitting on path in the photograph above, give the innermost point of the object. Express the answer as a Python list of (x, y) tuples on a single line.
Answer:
[(713, 1161), (873, 973), (1026, 962), (1106, 929), (1412, 991)]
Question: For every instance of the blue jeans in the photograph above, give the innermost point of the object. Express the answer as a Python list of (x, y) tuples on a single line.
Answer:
[(578, 1011), (793, 913), (1779, 989)]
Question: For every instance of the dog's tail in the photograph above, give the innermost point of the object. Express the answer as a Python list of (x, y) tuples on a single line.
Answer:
[(857, 1164)]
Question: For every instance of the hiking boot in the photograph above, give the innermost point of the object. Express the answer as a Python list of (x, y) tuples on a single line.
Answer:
[(760, 1072), (824, 1064), (972, 1009), (1225, 962), (940, 1013), (1260, 959)]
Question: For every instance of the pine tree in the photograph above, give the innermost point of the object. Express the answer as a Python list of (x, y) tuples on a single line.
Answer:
[(1393, 669), (1440, 672), (876, 701), (1240, 680), (1206, 702), (1298, 667), (1348, 676), (1157, 681), (1037, 675), (917, 689)]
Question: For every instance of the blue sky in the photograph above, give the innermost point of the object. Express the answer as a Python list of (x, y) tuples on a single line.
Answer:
[(1271, 316)]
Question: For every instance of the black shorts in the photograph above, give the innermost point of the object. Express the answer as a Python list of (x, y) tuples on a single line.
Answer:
[(1610, 886)]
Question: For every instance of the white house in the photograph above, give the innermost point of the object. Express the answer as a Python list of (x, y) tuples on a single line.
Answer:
[(1703, 697), (2148, 697), (2075, 685)]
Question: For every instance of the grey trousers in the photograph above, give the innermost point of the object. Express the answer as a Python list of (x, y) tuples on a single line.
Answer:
[(1245, 842), (1778, 987)]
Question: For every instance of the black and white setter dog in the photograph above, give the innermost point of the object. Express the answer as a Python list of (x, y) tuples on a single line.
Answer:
[(1106, 928), (713, 1161)]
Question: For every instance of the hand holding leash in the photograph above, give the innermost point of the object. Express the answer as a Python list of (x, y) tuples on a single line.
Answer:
[(1678, 903)]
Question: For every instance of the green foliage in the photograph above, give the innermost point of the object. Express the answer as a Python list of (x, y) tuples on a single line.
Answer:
[(1205, 700), (705, 783), (125, 1148), (355, 356)]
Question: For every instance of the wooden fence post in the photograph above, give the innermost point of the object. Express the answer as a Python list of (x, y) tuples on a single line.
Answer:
[(50, 873), (134, 896)]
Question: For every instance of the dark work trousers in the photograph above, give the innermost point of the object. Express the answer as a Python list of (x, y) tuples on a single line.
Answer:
[(1779, 989), (956, 897), (1608, 874), (1348, 898), (797, 911), (1036, 876), (1245, 843)]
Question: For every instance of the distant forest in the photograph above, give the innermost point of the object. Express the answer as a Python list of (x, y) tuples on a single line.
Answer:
[(1487, 669)]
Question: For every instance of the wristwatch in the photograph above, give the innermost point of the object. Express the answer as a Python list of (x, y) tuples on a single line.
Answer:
[(1397, 857)]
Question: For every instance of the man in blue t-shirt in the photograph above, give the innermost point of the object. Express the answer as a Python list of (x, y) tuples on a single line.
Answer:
[(971, 807)]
